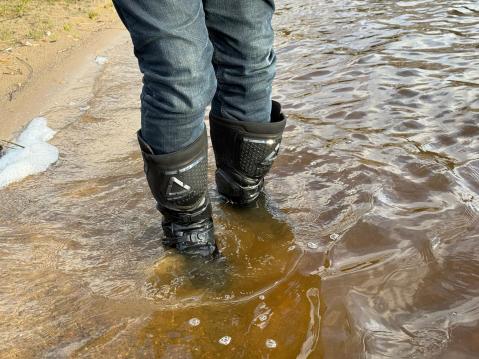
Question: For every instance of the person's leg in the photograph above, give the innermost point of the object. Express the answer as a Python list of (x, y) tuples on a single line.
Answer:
[(244, 57), (246, 126), (174, 53)]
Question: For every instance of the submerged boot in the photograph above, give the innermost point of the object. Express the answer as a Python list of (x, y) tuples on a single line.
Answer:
[(244, 153), (178, 181)]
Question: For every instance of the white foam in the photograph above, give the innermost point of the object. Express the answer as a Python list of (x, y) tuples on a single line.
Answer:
[(36, 156), (101, 60)]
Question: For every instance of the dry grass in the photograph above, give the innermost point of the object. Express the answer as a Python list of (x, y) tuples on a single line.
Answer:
[(45, 20)]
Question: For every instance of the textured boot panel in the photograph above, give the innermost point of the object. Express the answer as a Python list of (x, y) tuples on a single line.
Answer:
[(255, 156), (247, 147), (245, 152), (177, 180)]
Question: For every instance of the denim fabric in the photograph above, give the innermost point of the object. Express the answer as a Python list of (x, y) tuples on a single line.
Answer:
[(196, 52)]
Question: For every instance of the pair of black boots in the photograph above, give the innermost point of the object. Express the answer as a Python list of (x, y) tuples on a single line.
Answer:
[(244, 153)]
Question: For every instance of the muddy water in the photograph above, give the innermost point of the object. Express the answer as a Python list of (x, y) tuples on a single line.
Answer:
[(364, 246)]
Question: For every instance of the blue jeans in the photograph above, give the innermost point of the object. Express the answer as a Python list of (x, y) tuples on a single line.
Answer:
[(196, 52)]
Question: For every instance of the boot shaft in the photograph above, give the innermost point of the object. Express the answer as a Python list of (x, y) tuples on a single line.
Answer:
[(178, 180), (244, 153), (249, 148)]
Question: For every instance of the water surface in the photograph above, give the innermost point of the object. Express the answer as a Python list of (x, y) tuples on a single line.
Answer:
[(364, 245)]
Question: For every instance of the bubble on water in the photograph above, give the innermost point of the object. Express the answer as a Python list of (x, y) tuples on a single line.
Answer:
[(261, 297), (312, 245), (194, 322), (271, 343), (263, 317), (225, 340), (290, 248), (334, 236), (101, 60)]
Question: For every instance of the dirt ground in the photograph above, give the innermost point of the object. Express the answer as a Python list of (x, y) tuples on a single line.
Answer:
[(36, 35)]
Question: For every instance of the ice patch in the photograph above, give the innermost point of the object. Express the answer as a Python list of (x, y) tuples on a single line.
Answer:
[(36, 156), (101, 60)]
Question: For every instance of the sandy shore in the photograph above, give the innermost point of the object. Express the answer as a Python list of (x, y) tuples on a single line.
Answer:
[(38, 61)]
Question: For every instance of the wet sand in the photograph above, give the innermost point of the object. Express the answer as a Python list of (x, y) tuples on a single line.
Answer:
[(365, 244), (35, 71), (52, 86)]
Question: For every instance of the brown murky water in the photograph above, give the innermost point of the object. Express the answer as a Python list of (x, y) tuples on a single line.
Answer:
[(366, 242)]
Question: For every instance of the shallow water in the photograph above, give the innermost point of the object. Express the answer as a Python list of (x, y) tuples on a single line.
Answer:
[(364, 246)]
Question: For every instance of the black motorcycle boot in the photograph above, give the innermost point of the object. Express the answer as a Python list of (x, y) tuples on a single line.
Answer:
[(178, 181), (245, 152)]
